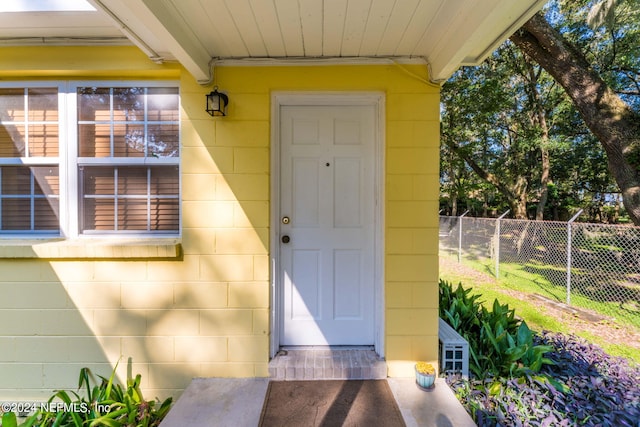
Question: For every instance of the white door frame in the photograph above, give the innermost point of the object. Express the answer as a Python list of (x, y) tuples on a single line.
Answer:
[(279, 99)]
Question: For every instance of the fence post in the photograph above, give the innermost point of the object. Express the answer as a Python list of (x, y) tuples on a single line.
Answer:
[(460, 235), (569, 234), (497, 245)]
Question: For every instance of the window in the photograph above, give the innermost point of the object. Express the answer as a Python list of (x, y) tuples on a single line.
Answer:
[(29, 173), (128, 149), (108, 163)]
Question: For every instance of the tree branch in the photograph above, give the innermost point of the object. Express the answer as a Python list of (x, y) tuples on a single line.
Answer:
[(611, 120)]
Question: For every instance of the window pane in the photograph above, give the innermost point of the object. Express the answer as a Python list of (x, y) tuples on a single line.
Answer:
[(155, 132), (163, 140), (43, 140), (132, 181), (98, 214), (29, 198), (43, 104), (98, 201), (12, 104), (128, 104), (45, 214), (165, 181), (12, 140), (128, 140), (15, 214), (130, 198), (94, 140), (47, 180), (132, 214), (162, 104), (94, 104), (165, 214), (16, 180), (98, 181)]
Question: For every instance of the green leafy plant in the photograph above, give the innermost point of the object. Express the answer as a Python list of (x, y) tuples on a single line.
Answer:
[(459, 307), (507, 354), (9, 420), (500, 344), (585, 387), (106, 403)]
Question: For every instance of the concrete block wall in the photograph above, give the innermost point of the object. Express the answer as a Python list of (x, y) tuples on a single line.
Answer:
[(205, 311), (411, 244)]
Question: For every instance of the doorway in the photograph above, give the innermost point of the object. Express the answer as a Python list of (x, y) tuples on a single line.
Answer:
[(327, 221)]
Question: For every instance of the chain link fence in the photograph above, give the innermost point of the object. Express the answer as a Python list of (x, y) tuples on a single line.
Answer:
[(593, 266)]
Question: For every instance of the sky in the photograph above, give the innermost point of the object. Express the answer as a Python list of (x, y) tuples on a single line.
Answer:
[(44, 5)]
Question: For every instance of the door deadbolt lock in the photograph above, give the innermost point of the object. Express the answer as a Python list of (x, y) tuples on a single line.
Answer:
[(285, 220), (286, 239)]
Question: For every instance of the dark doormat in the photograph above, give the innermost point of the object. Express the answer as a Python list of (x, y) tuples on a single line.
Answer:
[(330, 403)]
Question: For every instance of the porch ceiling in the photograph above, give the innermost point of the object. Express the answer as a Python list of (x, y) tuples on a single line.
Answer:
[(445, 33)]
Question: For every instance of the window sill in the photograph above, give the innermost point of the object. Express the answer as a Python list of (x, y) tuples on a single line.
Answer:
[(94, 248)]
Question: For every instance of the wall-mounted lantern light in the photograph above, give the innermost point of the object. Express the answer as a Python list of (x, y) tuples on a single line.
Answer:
[(217, 103)]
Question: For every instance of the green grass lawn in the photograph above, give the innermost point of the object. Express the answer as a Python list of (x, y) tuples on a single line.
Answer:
[(513, 279), (522, 278)]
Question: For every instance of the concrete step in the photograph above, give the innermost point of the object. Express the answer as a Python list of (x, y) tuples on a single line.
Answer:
[(219, 402), (324, 363)]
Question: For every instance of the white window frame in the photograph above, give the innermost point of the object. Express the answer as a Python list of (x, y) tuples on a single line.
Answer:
[(67, 160), (35, 161)]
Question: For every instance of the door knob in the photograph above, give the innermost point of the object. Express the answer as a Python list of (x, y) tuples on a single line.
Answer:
[(286, 239), (285, 220)]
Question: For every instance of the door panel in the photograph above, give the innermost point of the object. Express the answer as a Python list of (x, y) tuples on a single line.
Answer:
[(346, 193), (307, 276), (305, 190), (347, 265), (327, 185)]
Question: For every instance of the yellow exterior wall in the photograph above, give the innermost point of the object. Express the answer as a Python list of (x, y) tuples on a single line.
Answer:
[(206, 312)]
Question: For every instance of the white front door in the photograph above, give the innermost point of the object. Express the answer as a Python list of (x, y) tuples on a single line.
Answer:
[(327, 224)]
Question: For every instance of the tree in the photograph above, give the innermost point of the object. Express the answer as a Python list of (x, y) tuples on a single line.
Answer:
[(496, 117), (612, 120)]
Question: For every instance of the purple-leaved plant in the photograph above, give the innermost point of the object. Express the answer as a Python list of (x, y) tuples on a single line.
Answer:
[(584, 387), (605, 389)]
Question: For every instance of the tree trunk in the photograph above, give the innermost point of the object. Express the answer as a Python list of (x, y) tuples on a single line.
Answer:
[(453, 195), (519, 205), (544, 179), (611, 120), (454, 204), (538, 117)]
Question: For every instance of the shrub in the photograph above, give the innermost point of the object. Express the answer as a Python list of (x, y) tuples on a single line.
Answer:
[(526, 400), (459, 308), (536, 379), (105, 404), (584, 386), (499, 343)]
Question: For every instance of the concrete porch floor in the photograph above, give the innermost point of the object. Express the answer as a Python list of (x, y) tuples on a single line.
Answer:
[(237, 402)]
